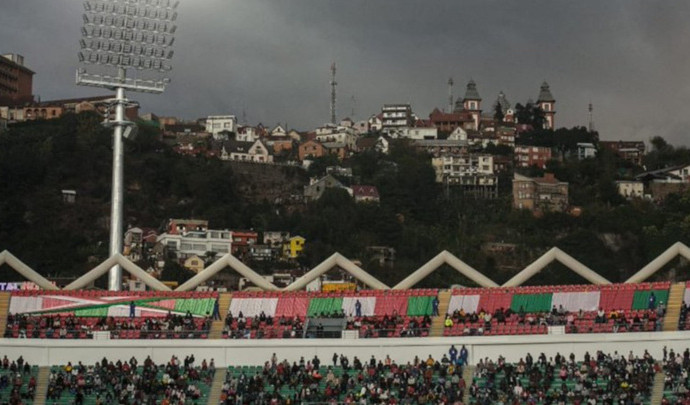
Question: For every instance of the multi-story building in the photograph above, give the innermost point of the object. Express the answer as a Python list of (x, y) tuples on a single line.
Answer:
[(184, 238), (540, 194), (395, 116), (311, 150), (632, 151), (473, 173), (16, 81), (528, 156), (215, 124), (242, 241), (344, 135), (449, 121)]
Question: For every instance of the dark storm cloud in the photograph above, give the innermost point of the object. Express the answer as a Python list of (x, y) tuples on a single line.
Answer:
[(272, 58)]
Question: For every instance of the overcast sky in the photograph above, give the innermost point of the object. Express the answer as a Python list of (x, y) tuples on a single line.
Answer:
[(271, 58)]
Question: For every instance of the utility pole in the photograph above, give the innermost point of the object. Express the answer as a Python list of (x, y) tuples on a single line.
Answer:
[(333, 98), (591, 118), (450, 95)]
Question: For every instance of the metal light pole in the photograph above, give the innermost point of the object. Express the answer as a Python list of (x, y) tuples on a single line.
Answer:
[(122, 35)]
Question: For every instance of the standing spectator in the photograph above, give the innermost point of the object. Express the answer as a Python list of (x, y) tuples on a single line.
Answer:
[(463, 355), (453, 353), (651, 304), (216, 310), (358, 308), (434, 307), (132, 309)]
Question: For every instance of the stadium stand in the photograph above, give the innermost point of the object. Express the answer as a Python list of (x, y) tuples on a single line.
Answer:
[(369, 381), (17, 381), (598, 379), (581, 309), (126, 315), (390, 313), (676, 367), (127, 382), (372, 313)]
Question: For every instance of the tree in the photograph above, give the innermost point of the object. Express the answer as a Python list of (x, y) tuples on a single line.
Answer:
[(498, 112)]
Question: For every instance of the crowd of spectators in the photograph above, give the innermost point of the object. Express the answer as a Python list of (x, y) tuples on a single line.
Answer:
[(676, 367), (108, 382), (73, 327), (481, 322), (358, 381), (17, 381), (598, 379), (390, 326), (262, 326)]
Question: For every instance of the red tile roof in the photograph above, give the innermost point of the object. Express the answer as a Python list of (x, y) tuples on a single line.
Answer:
[(365, 191)]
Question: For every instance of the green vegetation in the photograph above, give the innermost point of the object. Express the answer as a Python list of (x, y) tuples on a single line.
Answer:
[(416, 216)]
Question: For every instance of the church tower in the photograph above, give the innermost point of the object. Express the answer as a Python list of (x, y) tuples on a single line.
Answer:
[(547, 103), (472, 103)]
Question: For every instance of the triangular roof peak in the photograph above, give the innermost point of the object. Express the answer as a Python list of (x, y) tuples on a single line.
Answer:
[(545, 94), (471, 93)]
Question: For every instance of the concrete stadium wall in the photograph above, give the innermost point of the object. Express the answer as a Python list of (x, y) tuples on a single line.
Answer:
[(256, 352)]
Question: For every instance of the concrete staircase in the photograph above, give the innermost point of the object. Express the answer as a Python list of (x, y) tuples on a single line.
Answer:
[(216, 386), (4, 311), (675, 301), (223, 306), (467, 375), (42, 385), (437, 325), (657, 389)]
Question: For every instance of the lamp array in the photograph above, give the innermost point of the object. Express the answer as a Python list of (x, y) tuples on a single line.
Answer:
[(135, 34)]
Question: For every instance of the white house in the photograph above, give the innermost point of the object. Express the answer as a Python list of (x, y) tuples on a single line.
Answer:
[(341, 135), (630, 189), (190, 243), (246, 152), (215, 124), (586, 150), (458, 134), (278, 132), (375, 123), (246, 133)]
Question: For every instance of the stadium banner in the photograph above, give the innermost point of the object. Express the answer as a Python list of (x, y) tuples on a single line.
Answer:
[(350, 303), (251, 307), (531, 302), (289, 307), (95, 305), (391, 305), (420, 305), (325, 307), (641, 299), (467, 303), (575, 301), (491, 301)]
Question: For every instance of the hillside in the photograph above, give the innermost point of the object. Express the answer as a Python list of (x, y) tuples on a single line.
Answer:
[(415, 217)]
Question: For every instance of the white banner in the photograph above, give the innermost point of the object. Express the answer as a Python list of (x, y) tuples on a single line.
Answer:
[(468, 303)]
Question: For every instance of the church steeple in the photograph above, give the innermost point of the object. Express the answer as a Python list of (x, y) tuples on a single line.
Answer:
[(472, 102), (546, 102)]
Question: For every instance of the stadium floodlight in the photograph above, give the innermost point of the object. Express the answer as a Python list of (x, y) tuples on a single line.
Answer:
[(118, 37)]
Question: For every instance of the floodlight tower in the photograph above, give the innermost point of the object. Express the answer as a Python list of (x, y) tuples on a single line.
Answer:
[(121, 36)]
